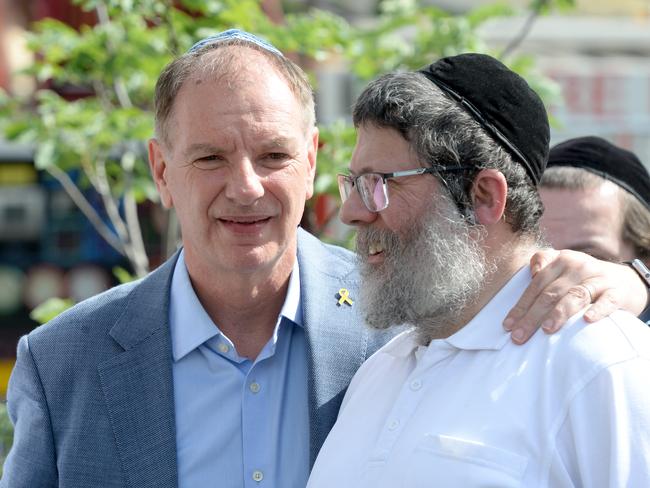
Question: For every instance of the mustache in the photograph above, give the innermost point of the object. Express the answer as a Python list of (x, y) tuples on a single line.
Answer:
[(388, 240)]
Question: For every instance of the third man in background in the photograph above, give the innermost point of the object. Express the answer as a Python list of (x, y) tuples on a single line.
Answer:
[(597, 200)]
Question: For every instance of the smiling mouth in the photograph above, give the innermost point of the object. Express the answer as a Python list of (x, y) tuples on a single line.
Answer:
[(245, 220), (375, 248)]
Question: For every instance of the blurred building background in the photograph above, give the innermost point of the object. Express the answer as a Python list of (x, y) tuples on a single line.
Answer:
[(47, 247), (598, 53)]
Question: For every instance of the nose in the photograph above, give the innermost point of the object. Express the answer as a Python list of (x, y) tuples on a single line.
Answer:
[(354, 212), (245, 185)]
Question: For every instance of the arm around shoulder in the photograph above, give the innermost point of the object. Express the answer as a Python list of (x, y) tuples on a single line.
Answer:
[(565, 282), (31, 461)]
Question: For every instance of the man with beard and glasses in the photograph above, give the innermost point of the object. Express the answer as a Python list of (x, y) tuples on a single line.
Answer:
[(443, 194), (226, 366)]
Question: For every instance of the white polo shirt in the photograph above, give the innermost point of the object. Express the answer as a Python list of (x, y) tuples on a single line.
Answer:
[(475, 410)]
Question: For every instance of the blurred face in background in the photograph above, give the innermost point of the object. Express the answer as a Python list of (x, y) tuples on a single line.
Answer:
[(588, 220)]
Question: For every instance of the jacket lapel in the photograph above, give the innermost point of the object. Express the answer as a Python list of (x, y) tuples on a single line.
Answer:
[(336, 339), (138, 385)]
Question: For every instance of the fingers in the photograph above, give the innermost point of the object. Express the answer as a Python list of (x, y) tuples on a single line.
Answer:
[(603, 307), (567, 284), (541, 259), (589, 289), (520, 315), (615, 288), (550, 309), (557, 291), (576, 298), (607, 298)]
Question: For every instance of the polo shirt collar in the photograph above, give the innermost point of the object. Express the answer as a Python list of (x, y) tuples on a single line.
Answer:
[(191, 325), (403, 345), (484, 332)]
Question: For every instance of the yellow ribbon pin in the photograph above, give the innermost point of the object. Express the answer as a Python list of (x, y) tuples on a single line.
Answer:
[(344, 295)]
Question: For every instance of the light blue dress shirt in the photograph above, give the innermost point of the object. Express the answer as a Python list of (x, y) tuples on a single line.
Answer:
[(239, 423)]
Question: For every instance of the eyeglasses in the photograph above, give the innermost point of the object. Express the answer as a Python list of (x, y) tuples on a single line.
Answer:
[(372, 186)]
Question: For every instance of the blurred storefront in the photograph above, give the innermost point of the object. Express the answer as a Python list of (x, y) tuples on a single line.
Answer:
[(47, 249), (599, 55)]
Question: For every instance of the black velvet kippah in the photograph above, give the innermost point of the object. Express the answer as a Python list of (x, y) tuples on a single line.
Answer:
[(501, 101), (607, 161)]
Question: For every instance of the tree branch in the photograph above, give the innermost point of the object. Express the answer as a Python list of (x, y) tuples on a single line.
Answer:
[(82, 203), (174, 45), (118, 84), (140, 261), (516, 41), (110, 204)]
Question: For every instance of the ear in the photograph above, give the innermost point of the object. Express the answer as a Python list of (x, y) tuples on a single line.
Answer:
[(489, 192), (312, 151), (158, 166)]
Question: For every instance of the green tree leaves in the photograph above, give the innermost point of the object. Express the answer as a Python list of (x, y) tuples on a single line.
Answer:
[(107, 73)]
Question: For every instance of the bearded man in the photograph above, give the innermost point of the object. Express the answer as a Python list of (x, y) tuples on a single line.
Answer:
[(443, 193), (228, 362)]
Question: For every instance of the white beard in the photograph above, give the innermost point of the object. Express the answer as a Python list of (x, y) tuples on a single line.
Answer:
[(429, 274)]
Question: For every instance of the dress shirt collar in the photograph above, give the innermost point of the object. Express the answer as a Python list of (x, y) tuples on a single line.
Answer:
[(484, 332), (191, 325)]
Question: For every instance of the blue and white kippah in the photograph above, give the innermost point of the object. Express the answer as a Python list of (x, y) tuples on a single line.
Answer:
[(234, 34)]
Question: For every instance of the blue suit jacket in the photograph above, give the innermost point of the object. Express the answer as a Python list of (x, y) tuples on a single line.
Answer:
[(91, 395)]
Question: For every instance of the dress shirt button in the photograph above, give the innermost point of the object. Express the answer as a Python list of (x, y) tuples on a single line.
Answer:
[(258, 475), (223, 347), (393, 425), (254, 387), (416, 385)]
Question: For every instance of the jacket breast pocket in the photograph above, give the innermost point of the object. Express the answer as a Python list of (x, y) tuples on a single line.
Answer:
[(445, 461)]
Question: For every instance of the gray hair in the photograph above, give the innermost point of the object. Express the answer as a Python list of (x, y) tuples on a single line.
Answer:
[(218, 60), (636, 217), (442, 133)]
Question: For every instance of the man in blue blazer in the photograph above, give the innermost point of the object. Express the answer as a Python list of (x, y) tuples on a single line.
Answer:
[(93, 390), (227, 365)]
